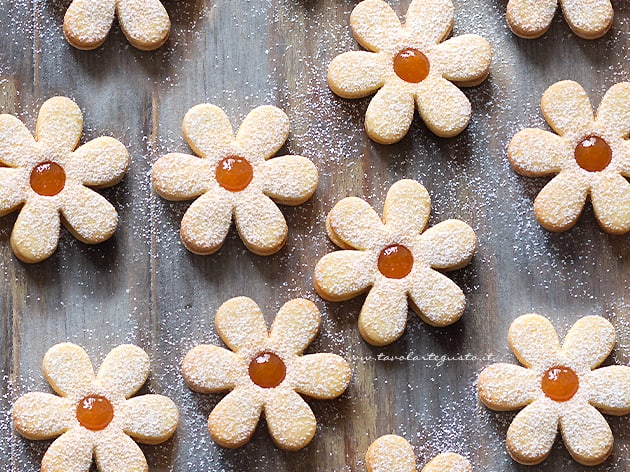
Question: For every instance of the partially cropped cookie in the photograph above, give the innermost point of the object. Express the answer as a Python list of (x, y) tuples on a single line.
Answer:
[(590, 155), (95, 416), (145, 22), (559, 387), (265, 372), (589, 19), (235, 177), (410, 63), (395, 259), (49, 180)]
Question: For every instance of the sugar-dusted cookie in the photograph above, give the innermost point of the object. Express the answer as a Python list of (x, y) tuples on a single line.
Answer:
[(589, 19), (559, 387), (394, 259), (235, 176), (590, 155), (392, 453), (145, 22), (410, 63), (47, 177), (265, 372), (94, 415)]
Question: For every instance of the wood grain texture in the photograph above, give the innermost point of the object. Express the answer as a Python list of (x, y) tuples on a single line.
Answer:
[(144, 287)]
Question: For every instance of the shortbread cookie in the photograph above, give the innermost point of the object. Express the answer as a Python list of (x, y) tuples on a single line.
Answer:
[(392, 453), (48, 179), (235, 176), (94, 415), (591, 156), (265, 372), (589, 19), (410, 63), (395, 259), (145, 22), (559, 387)]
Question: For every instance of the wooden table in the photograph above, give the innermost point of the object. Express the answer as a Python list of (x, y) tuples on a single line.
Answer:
[(143, 287)]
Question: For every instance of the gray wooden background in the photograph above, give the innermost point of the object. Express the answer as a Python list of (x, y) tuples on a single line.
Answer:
[(144, 287)]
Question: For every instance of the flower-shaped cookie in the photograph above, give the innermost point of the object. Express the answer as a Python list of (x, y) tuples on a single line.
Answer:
[(410, 63), (145, 22), (559, 387), (392, 453), (94, 416), (265, 372), (532, 18), (235, 176), (396, 259), (46, 176), (591, 156)]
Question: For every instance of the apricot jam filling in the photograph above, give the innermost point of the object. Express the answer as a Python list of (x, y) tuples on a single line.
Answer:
[(95, 412), (560, 383), (267, 370), (411, 65), (395, 261), (48, 179), (234, 173)]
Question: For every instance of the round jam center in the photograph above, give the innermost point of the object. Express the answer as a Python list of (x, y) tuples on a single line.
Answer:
[(593, 154), (234, 173), (267, 370), (411, 65), (395, 261), (560, 383), (95, 412), (48, 179)]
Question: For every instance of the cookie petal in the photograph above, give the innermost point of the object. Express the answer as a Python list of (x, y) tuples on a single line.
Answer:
[(430, 20), (436, 298), (384, 314), (389, 115), (463, 59), (68, 368), (450, 244), (614, 110), (534, 152), (290, 420), (589, 341), (567, 108), (296, 325), (263, 132), (87, 23), (59, 125), (353, 223), (289, 180), (210, 369), (375, 25), (448, 461), (241, 324), (260, 224), (208, 131), (181, 176), (13, 188), (114, 451), (124, 370), (39, 415), (530, 18), (443, 107), (407, 208), (559, 204), (207, 222), (323, 376), (101, 162), (145, 24), (88, 215), (16, 142), (234, 419), (343, 275), (35, 234), (149, 419), (532, 433), (586, 434), (533, 340), (356, 74), (588, 19), (70, 451), (611, 202), (388, 450), (505, 387), (609, 389)]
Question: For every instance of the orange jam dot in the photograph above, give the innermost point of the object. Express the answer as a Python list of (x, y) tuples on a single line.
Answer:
[(95, 412), (560, 383), (48, 179), (593, 154), (395, 261), (267, 370), (234, 173), (411, 65)]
